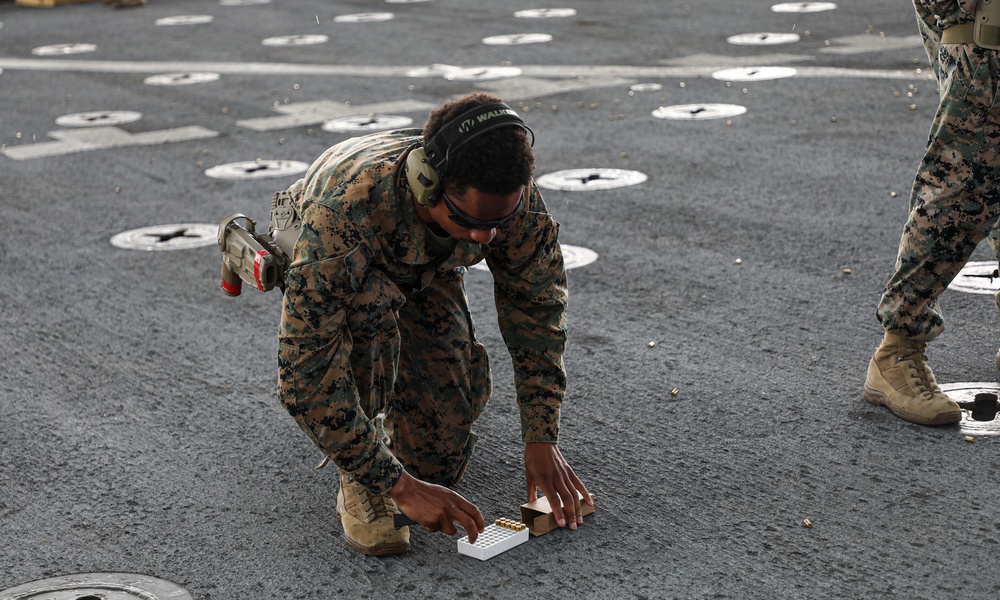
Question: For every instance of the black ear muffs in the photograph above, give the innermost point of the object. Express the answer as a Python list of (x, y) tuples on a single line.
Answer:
[(425, 166), (423, 179)]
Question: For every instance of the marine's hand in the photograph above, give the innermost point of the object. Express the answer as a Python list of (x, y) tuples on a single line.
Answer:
[(546, 468), (435, 507)]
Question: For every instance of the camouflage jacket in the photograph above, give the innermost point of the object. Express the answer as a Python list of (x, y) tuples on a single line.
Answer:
[(942, 14), (358, 222)]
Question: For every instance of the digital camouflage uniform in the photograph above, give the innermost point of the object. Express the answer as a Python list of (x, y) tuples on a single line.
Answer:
[(954, 203), (375, 318)]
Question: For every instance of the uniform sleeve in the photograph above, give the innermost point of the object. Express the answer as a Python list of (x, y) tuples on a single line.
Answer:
[(329, 290), (531, 294), (941, 14)]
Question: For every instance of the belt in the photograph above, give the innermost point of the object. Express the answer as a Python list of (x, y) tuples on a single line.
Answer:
[(959, 34)]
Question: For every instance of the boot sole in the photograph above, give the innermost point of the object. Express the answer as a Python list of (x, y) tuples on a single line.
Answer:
[(879, 399), (377, 549)]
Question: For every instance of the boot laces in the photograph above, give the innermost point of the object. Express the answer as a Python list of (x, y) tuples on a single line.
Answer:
[(926, 384), (375, 506)]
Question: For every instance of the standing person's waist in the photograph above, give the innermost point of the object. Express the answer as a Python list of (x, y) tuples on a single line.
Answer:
[(959, 34)]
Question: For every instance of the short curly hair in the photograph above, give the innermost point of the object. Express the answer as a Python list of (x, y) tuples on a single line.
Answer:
[(497, 162)]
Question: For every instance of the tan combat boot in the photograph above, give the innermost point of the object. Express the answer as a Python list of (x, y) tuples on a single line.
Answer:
[(367, 520), (899, 378)]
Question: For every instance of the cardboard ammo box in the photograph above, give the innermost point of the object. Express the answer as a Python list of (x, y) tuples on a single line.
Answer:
[(538, 517)]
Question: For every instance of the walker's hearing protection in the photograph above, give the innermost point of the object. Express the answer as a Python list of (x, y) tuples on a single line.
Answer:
[(425, 166)]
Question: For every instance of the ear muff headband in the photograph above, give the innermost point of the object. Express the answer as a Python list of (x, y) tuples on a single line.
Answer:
[(467, 127), (425, 166)]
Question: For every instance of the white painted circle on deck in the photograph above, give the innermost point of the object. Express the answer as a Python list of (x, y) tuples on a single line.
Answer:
[(296, 40), (257, 169), (754, 73), (573, 257), (181, 236), (545, 13), (481, 73), (974, 278), (577, 256), (515, 39), (365, 17), (803, 7), (181, 78), (694, 112), (432, 71), (62, 49), (99, 118), (575, 180), (361, 123), (184, 20), (763, 39)]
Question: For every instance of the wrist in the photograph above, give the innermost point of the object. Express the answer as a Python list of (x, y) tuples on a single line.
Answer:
[(402, 486)]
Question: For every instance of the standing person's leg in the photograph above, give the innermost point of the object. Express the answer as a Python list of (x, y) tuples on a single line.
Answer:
[(443, 382), (950, 213), (932, 42)]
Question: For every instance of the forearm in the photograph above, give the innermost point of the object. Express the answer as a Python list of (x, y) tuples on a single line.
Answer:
[(531, 294), (536, 339)]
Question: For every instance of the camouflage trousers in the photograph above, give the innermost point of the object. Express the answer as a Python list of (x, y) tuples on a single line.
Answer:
[(443, 382), (413, 357), (955, 201)]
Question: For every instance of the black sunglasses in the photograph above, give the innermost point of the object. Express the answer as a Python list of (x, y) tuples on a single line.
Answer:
[(464, 220)]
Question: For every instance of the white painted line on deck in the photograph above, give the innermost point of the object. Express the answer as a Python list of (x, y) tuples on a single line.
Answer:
[(100, 138), (298, 114), (549, 71)]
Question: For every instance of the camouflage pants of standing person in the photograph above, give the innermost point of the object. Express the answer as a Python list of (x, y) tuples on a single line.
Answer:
[(955, 202), (443, 382)]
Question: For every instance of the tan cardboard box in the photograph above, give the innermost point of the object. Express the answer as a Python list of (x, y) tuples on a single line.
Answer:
[(538, 517)]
